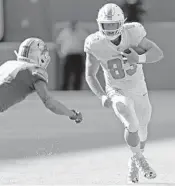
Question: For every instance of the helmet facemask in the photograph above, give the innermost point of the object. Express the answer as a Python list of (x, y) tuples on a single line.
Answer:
[(43, 57), (111, 32)]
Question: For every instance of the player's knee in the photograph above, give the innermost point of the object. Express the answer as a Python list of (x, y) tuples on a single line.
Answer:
[(133, 127), (146, 117), (132, 138), (150, 108), (149, 112), (143, 132)]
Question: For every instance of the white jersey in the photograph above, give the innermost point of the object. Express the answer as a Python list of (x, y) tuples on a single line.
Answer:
[(117, 73), (17, 79), (10, 69)]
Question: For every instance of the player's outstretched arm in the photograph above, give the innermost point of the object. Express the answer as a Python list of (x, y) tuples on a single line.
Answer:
[(54, 105), (92, 66)]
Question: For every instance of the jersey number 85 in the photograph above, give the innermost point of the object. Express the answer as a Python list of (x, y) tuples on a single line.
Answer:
[(116, 69)]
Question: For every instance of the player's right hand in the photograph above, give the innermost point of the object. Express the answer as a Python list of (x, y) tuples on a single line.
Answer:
[(77, 116), (106, 101)]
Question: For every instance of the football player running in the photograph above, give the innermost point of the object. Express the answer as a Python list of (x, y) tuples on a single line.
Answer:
[(115, 47), (27, 74)]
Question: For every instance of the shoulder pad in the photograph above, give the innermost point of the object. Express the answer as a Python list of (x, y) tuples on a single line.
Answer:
[(137, 32), (41, 73), (90, 40)]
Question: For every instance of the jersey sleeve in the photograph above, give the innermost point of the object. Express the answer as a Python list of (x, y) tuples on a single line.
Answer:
[(88, 44), (138, 32), (39, 74), (92, 44)]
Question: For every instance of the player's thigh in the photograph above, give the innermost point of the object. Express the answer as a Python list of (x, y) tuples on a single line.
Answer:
[(143, 109), (123, 107)]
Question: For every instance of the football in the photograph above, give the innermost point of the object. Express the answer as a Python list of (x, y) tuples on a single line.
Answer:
[(139, 50)]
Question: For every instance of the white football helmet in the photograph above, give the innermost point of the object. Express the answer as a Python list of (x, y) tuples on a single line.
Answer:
[(34, 50), (111, 13)]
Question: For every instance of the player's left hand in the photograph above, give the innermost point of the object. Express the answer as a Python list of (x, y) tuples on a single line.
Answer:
[(77, 117), (131, 57), (106, 101)]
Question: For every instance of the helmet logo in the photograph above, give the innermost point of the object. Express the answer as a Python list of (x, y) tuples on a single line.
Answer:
[(109, 14), (26, 47)]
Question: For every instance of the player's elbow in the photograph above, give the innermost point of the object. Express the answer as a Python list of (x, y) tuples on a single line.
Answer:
[(48, 103), (159, 53)]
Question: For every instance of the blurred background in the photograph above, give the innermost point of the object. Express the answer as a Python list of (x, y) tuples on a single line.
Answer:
[(39, 149), (48, 18)]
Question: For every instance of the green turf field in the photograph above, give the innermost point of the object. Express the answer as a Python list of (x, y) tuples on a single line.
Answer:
[(40, 148)]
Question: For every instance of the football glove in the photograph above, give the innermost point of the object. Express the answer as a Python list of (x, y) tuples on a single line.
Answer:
[(77, 116), (106, 102)]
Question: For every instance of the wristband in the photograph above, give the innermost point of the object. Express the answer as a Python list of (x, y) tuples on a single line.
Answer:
[(142, 58)]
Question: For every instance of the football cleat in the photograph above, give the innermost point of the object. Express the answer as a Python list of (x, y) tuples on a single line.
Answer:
[(133, 174), (144, 167)]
